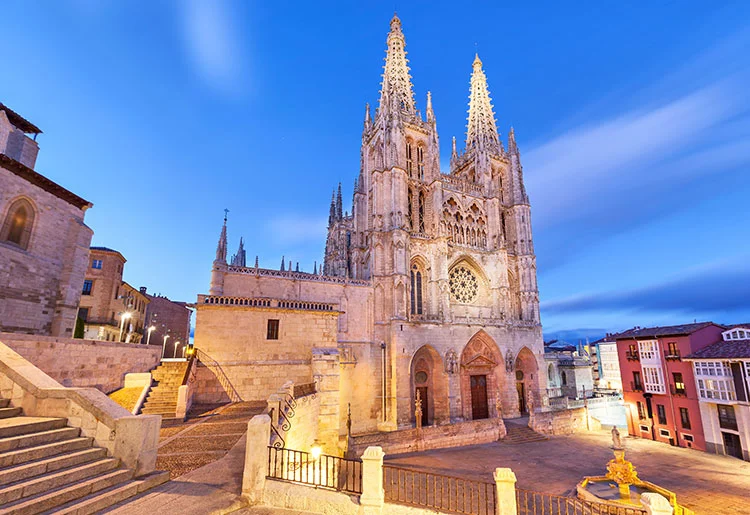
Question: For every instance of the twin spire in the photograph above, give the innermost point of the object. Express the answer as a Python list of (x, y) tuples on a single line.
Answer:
[(396, 94)]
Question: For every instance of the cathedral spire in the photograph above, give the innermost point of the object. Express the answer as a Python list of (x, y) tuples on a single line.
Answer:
[(430, 113), (239, 258), (481, 130), (396, 92), (512, 148), (282, 263), (332, 211), (368, 120), (339, 204), (221, 247)]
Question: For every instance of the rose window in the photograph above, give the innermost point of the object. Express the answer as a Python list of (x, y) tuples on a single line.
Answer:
[(464, 285)]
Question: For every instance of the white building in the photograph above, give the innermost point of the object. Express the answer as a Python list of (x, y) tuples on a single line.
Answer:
[(609, 366), (722, 379)]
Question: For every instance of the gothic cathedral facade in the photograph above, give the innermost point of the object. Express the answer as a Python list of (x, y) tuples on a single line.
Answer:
[(432, 276)]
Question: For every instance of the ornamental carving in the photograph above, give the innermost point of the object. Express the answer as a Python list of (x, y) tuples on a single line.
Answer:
[(463, 284)]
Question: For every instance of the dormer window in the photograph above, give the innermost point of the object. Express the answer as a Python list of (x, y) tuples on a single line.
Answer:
[(736, 334)]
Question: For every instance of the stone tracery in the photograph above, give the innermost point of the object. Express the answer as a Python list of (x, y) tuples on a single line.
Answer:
[(465, 226)]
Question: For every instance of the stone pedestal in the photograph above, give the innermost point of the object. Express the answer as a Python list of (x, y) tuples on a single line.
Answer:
[(656, 504), (505, 488), (373, 495), (256, 458)]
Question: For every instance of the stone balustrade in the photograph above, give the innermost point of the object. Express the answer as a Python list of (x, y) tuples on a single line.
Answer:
[(264, 302), (461, 185), (299, 276)]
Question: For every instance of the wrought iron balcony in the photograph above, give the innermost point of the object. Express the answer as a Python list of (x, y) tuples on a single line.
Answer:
[(636, 387), (632, 356), (677, 391), (672, 355)]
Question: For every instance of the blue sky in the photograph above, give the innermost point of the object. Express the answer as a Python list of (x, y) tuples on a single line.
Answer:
[(633, 123)]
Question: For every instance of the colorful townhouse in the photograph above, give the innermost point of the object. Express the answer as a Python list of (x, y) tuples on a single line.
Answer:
[(660, 395), (722, 379)]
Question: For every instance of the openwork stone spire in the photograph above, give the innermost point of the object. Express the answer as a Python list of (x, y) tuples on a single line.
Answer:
[(481, 130), (396, 89), (221, 247)]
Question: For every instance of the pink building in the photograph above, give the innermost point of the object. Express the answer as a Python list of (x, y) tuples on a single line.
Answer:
[(660, 397)]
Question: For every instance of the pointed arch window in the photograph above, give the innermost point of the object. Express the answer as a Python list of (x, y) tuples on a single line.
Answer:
[(18, 223), (416, 291), (421, 211), (409, 159), (410, 210), (420, 162)]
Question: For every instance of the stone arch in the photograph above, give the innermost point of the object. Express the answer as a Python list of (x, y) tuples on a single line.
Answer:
[(427, 374), (461, 293), (526, 371), (399, 293), (418, 281), (19, 222), (481, 367)]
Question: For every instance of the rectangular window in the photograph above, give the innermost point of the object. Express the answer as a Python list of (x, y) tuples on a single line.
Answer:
[(679, 384), (661, 413), (727, 419), (83, 313), (637, 383), (97, 263), (653, 380), (273, 330), (87, 285), (649, 350), (685, 418), (641, 411)]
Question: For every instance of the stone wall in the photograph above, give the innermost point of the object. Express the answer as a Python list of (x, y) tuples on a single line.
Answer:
[(562, 422), (84, 363)]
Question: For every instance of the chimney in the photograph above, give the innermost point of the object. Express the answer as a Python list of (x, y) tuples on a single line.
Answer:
[(143, 290)]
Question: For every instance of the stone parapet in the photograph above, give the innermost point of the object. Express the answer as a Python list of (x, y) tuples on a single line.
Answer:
[(563, 421), (132, 439)]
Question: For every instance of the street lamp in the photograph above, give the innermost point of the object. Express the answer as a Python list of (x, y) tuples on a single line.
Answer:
[(164, 346), (123, 316), (176, 345), (150, 330)]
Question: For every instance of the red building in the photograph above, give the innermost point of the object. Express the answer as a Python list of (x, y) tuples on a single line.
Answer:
[(659, 391)]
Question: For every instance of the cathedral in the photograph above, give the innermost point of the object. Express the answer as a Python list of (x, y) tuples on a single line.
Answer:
[(428, 288)]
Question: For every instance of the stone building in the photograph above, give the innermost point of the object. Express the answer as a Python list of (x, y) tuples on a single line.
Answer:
[(111, 309), (569, 371), (607, 365), (168, 318), (428, 286), (44, 242)]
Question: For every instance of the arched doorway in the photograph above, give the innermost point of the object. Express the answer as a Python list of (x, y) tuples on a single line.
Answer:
[(481, 378), (428, 378), (526, 370)]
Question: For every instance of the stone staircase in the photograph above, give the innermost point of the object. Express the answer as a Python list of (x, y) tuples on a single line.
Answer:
[(518, 433), (162, 398), (47, 467)]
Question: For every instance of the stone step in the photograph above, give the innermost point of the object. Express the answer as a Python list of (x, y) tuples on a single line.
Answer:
[(521, 434), (161, 403), (16, 426), (34, 486), (35, 468), (10, 412), (162, 412), (4, 403), (49, 500), (103, 499), (25, 441), (24, 455)]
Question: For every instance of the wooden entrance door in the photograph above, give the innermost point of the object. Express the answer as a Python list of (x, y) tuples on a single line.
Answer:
[(479, 407), (521, 388), (425, 406), (732, 445)]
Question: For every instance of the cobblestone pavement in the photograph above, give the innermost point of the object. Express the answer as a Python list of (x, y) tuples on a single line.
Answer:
[(706, 483), (205, 437)]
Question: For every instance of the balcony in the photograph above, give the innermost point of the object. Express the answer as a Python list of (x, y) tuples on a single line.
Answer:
[(672, 355), (678, 392), (636, 387), (632, 356)]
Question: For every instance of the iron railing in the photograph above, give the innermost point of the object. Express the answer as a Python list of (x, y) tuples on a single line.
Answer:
[(536, 503), (448, 494), (300, 390), (215, 367), (331, 472), (632, 355)]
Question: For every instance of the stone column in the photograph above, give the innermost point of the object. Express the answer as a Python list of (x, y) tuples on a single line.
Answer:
[(256, 458), (656, 504), (505, 487), (373, 495)]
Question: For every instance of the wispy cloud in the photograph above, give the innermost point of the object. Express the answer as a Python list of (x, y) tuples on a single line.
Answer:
[(213, 43), (297, 229), (717, 288)]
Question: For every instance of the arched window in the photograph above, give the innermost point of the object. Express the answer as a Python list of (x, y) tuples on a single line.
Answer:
[(421, 211), (409, 210), (420, 162), (18, 223), (416, 290), (409, 159), (551, 373), (564, 378)]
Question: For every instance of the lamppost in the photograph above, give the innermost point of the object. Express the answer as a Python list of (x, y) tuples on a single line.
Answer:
[(150, 330), (164, 346), (123, 316), (176, 346)]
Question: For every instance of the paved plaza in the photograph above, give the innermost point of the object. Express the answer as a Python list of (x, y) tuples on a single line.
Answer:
[(706, 483)]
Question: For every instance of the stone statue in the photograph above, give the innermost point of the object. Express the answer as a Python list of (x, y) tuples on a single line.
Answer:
[(451, 362), (509, 361), (616, 441), (530, 402), (418, 410)]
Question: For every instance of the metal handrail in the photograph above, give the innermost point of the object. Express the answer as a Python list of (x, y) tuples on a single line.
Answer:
[(224, 381), (534, 503), (330, 472)]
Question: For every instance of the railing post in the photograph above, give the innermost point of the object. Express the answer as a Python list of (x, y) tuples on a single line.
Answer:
[(373, 495), (505, 490), (256, 458), (656, 504)]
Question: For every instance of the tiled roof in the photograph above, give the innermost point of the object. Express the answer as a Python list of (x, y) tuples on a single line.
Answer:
[(19, 121), (106, 249), (654, 332), (41, 181), (723, 349)]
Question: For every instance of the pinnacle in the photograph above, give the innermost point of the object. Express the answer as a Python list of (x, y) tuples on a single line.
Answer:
[(477, 62)]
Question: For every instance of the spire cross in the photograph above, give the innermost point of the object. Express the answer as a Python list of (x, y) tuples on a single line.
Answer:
[(226, 212)]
